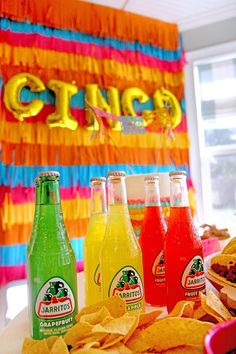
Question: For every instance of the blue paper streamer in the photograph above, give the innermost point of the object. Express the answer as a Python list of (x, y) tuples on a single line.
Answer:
[(14, 255), (149, 49)]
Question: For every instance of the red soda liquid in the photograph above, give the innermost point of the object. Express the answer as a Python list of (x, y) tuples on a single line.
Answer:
[(183, 259), (151, 240)]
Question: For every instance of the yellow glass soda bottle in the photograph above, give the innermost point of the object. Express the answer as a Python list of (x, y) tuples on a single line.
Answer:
[(121, 257), (93, 240)]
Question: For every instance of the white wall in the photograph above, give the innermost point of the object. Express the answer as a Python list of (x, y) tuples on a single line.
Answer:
[(210, 35)]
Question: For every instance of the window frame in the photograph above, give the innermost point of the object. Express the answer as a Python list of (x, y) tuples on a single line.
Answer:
[(199, 165)]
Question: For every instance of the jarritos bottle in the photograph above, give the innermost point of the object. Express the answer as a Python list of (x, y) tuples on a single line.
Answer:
[(36, 214), (93, 240), (51, 266), (183, 248), (121, 258), (151, 240)]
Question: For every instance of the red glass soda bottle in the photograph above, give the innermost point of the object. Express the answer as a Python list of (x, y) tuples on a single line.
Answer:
[(151, 240), (183, 248)]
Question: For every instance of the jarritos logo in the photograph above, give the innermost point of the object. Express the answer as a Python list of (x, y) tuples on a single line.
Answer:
[(158, 266), (193, 276), (127, 284), (97, 276), (55, 299)]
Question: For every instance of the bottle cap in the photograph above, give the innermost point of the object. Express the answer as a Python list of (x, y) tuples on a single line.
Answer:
[(151, 178), (97, 179), (177, 173), (116, 174), (49, 174), (36, 180)]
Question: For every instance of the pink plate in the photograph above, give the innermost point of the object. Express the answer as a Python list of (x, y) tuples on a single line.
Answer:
[(221, 339)]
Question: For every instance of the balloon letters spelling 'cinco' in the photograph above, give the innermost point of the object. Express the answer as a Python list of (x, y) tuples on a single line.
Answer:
[(12, 92), (62, 117)]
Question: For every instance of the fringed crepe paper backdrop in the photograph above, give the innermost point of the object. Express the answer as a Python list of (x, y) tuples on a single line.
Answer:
[(82, 43)]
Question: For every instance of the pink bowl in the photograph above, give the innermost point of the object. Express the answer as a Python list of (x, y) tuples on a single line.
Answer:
[(221, 339)]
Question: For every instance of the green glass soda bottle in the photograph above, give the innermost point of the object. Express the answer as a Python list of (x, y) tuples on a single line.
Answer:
[(36, 215), (51, 266)]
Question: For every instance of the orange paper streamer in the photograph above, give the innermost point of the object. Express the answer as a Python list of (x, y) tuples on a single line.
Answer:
[(93, 19), (20, 233), (40, 155)]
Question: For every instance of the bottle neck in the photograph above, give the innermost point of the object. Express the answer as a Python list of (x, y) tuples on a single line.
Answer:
[(49, 192), (152, 195), (178, 192), (98, 198), (116, 191), (37, 193)]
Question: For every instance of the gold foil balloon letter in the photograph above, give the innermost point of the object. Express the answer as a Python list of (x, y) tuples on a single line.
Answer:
[(164, 99), (12, 96), (62, 116), (130, 94)]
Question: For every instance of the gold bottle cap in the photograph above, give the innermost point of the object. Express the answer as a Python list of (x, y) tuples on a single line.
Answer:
[(151, 178), (177, 173), (116, 174), (97, 179), (49, 174)]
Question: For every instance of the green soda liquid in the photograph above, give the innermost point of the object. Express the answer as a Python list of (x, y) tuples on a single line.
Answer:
[(51, 266)]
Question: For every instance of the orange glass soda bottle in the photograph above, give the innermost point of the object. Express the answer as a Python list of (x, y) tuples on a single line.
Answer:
[(183, 248), (94, 239), (151, 240), (121, 256)]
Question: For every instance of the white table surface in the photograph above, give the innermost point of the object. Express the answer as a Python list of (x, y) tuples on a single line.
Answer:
[(12, 336)]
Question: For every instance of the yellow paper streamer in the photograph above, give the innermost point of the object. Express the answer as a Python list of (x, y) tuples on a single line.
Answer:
[(39, 133), (49, 59)]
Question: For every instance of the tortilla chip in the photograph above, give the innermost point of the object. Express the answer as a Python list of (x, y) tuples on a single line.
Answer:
[(210, 311), (199, 312), (92, 345), (96, 337), (112, 339), (182, 309), (169, 333), (115, 305), (229, 244), (231, 249), (59, 347), (101, 316), (119, 348), (32, 346), (217, 305), (50, 341), (148, 318), (187, 349), (123, 325), (88, 351), (77, 332)]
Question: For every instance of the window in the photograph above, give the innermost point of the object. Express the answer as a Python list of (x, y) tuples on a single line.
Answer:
[(215, 102)]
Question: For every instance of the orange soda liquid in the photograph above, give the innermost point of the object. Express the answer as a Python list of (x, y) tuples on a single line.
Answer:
[(151, 240), (183, 259)]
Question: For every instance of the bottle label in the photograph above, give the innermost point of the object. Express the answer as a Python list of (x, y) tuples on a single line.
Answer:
[(55, 299), (128, 285), (158, 266), (193, 277), (97, 276)]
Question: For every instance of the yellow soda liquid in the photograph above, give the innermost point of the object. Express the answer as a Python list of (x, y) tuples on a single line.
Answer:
[(121, 260), (92, 246)]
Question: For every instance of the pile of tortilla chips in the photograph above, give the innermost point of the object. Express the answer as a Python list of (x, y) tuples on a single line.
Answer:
[(107, 327)]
